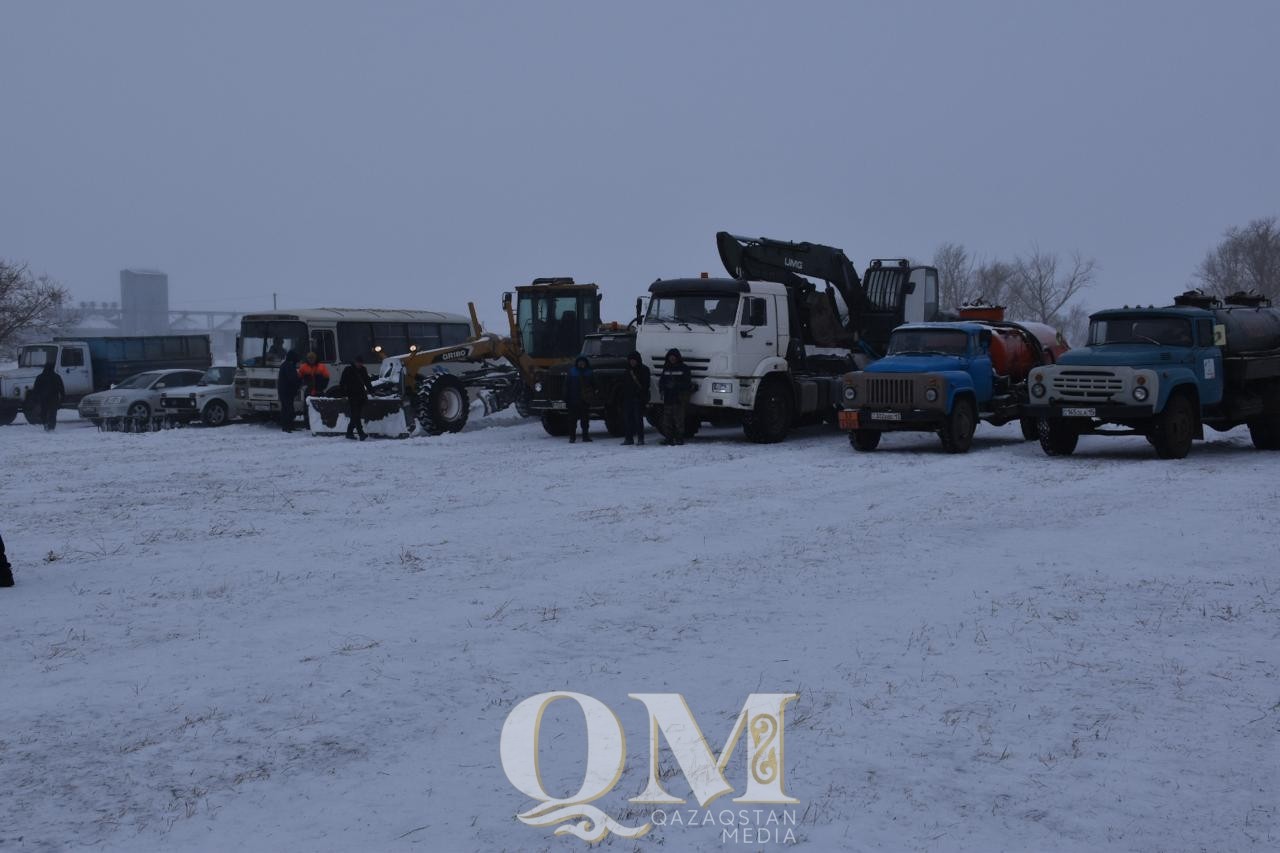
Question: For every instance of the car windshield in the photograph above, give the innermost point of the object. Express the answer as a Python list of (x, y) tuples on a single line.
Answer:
[(1145, 329), (37, 356), (609, 346), (697, 309), (264, 343), (218, 376), (139, 380), (929, 342)]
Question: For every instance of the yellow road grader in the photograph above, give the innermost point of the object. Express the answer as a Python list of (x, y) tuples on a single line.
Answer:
[(431, 391)]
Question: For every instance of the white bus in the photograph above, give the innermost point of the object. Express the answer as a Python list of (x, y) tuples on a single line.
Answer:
[(336, 336)]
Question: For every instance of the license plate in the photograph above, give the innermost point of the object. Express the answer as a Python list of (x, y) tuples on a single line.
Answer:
[(261, 407), (1079, 413), (848, 420), (557, 404), (886, 416)]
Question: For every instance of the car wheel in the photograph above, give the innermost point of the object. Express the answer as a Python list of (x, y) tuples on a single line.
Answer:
[(864, 440), (215, 414)]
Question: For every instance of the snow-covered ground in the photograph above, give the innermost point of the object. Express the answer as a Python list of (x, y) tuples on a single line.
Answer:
[(236, 639)]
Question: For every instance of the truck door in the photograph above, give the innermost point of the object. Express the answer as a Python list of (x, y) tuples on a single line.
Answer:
[(981, 370), (1207, 363), (920, 305), (756, 333), (74, 367)]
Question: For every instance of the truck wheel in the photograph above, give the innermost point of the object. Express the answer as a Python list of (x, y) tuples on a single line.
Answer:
[(1030, 428), (442, 404), (770, 421), (1264, 430), (215, 414), (7, 416), (865, 440), (1174, 428), (957, 430), (653, 414), (1057, 437), (613, 421), (557, 424), (692, 423), (522, 402)]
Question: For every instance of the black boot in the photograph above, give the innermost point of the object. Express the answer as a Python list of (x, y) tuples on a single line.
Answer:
[(573, 436), (586, 437), (6, 575)]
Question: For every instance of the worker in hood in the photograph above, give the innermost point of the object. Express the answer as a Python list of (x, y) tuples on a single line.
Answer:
[(579, 386), (287, 384), (675, 384), (634, 392), (46, 396), (356, 384)]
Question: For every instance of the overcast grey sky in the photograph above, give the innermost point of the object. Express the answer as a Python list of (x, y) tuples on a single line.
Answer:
[(424, 154)]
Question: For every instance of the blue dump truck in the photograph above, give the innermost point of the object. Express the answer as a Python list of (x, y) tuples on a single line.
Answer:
[(946, 377), (1166, 373)]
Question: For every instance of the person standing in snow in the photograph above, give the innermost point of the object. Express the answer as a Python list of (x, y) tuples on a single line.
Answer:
[(634, 391), (315, 378), (578, 383), (46, 394), (355, 382), (6, 570), (675, 383), (287, 384)]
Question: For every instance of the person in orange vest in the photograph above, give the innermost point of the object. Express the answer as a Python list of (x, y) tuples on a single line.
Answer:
[(315, 379)]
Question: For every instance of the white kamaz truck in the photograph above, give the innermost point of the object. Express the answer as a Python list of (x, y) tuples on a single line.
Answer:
[(767, 348)]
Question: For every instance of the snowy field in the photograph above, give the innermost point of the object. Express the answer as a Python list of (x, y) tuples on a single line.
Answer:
[(236, 639)]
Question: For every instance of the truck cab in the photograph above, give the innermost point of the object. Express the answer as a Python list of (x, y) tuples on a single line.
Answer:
[(607, 352), (1150, 371), (71, 362), (934, 377)]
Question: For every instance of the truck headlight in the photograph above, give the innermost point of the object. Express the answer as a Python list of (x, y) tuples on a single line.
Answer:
[(537, 387), (1038, 390), (931, 394), (850, 393), (1140, 394), (721, 387)]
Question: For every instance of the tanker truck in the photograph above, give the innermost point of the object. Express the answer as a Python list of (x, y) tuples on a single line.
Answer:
[(945, 377), (1166, 374)]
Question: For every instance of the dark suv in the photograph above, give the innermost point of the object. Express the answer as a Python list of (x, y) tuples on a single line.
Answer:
[(607, 353)]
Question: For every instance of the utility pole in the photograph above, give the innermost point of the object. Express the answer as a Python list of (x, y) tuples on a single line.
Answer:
[(274, 307)]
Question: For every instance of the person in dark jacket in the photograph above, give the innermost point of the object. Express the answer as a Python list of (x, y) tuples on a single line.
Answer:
[(6, 570), (634, 391), (356, 385), (287, 384), (578, 384), (46, 394), (675, 383)]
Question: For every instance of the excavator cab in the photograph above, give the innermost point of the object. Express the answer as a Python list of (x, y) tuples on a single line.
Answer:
[(551, 318), (897, 292)]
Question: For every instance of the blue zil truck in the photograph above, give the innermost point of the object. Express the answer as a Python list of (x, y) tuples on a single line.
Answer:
[(1166, 374), (945, 377)]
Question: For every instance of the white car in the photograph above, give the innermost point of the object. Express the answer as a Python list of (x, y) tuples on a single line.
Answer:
[(136, 398), (211, 400)]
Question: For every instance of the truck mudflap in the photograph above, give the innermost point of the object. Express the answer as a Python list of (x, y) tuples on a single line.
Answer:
[(886, 420), (1107, 412), (385, 416)]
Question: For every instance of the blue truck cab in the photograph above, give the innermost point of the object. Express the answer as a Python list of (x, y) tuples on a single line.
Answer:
[(934, 377), (1163, 373)]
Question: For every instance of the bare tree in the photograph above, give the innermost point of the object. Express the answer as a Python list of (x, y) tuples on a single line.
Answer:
[(991, 281), (27, 302), (1043, 285), (955, 275), (1248, 258)]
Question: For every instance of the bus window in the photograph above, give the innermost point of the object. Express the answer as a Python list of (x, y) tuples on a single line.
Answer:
[(354, 339), (454, 333), (323, 346), (390, 339)]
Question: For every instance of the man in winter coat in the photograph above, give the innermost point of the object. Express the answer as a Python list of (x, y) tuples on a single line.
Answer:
[(675, 383), (315, 378), (634, 391), (46, 394), (6, 570), (578, 383), (356, 384), (287, 384)]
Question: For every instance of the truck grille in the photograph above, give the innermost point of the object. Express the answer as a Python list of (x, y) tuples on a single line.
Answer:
[(177, 403), (1086, 384), (888, 392), (262, 383), (696, 365)]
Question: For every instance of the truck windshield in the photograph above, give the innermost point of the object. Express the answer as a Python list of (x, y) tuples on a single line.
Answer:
[(37, 356), (264, 343), (610, 346), (1161, 331), (709, 310), (929, 342)]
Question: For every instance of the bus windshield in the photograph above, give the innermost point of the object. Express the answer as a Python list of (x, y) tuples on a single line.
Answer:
[(264, 343)]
